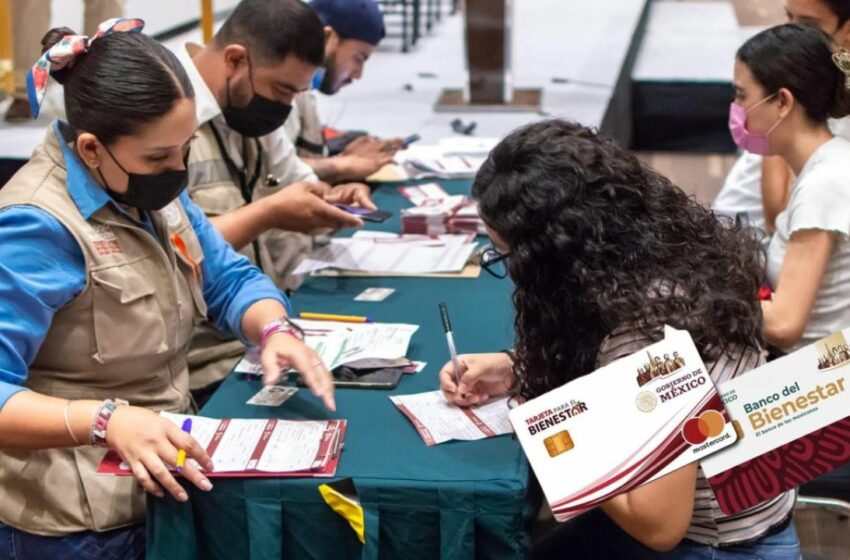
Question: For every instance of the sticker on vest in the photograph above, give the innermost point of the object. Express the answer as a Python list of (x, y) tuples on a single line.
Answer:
[(104, 241), (171, 215)]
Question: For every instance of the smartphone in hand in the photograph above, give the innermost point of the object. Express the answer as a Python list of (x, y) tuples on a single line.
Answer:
[(411, 139), (365, 213)]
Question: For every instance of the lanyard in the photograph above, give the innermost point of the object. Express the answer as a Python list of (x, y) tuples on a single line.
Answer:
[(246, 186)]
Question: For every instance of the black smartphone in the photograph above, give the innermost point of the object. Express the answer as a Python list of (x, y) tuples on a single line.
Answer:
[(365, 213), (411, 139), (384, 378)]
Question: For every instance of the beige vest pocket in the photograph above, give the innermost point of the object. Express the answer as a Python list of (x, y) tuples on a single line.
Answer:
[(127, 320), (114, 501)]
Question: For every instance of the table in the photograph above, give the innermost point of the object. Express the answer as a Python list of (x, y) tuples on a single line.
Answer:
[(455, 500)]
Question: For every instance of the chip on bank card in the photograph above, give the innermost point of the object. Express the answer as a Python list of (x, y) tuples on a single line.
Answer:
[(559, 443)]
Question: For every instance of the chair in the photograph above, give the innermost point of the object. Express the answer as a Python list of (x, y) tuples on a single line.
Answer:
[(829, 492), (408, 13)]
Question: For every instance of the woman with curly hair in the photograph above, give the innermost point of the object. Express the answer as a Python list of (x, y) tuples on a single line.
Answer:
[(603, 253)]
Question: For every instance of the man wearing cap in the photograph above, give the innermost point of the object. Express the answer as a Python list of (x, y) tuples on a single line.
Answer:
[(353, 28)]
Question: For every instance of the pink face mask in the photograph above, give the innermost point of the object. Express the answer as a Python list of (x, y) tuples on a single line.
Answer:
[(743, 138)]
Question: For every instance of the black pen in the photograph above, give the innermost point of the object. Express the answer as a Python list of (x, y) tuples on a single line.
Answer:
[(447, 326)]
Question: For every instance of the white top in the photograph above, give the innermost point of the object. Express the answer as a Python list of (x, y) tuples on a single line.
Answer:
[(820, 200), (292, 126), (278, 151), (741, 192)]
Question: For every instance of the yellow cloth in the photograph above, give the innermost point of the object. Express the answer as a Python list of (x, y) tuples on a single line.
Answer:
[(342, 497)]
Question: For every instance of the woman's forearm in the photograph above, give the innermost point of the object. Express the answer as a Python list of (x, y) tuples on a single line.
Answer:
[(258, 315), (805, 262), (659, 513), (31, 420)]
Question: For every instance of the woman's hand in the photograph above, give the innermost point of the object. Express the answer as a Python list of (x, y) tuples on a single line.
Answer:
[(282, 351), (482, 377), (149, 444)]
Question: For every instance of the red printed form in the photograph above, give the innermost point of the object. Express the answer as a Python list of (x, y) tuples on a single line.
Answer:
[(438, 421), (259, 448)]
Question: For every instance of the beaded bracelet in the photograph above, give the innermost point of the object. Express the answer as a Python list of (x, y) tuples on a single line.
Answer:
[(100, 420), (282, 325)]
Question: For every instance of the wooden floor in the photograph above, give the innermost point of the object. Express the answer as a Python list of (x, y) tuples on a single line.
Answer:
[(700, 175)]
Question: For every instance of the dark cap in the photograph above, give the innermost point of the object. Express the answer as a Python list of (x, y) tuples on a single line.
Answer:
[(352, 19)]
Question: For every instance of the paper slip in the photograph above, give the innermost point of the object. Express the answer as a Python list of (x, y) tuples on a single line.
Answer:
[(375, 294), (438, 421), (626, 424), (339, 343), (420, 194), (371, 251), (258, 448), (467, 145), (793, 425), (415, 367), (272, 395), (443, 167), (433, 161)]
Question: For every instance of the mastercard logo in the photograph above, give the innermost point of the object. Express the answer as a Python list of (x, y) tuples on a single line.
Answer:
[(709, 424)]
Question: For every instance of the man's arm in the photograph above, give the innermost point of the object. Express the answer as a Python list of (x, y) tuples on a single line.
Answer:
[(344, 168), (300, 207)]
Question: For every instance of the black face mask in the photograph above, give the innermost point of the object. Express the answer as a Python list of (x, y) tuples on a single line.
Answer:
[(259, 117), (152, 191)]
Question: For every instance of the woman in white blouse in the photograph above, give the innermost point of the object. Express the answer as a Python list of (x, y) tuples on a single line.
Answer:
[(757, 187), (788, 81)]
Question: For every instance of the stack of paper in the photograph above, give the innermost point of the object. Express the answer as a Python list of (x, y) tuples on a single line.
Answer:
[(435, 212), (457, 157), (443, 167), (258, 448), (366, 345), (467, 146), (436, 161), (381, 252), (453, 215)]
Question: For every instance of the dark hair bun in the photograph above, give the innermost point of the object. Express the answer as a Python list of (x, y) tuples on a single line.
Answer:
[(49, 40), (54, 36)]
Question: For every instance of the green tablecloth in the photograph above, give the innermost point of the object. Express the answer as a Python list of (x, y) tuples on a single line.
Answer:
[(454, 500)]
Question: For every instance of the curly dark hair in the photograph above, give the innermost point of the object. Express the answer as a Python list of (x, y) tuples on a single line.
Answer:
[(598, 242)]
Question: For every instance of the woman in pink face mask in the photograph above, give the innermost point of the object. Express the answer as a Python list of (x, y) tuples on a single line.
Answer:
[(788, 81)]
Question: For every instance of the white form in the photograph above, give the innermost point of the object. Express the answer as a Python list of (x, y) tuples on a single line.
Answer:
[(339, 343), (290, 446), (370, 251), (293, 446), (438, 421)]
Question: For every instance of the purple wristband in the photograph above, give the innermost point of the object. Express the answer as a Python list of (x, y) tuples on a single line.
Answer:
[(283, 325)]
